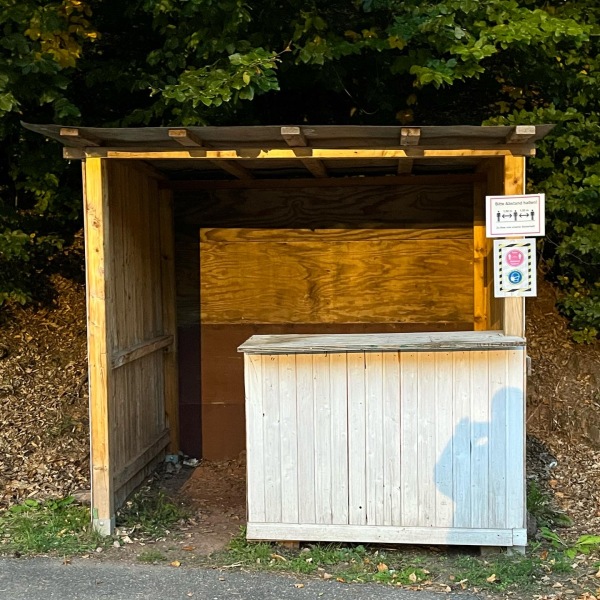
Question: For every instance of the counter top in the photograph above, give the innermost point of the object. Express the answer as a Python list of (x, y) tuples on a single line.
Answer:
[(379, 342)]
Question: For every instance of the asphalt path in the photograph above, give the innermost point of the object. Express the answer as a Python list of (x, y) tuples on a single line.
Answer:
[(81, 579)]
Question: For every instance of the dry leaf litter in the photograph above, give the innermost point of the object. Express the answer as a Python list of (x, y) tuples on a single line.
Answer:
[(44, 421)]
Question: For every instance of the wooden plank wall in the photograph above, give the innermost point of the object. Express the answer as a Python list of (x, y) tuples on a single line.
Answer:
[(312, 260), (409, 447), (139, 370)]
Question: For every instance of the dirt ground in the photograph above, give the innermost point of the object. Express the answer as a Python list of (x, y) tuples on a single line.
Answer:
[(43, 421)]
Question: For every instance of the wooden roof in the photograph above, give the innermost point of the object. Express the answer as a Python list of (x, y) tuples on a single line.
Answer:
[(320, 151)]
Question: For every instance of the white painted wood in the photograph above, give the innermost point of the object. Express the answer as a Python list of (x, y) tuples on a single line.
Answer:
[(339, 437), (357, 439), (288, 438), (409, 484), (271, 438), (379, 342), (382, 534), (444, 505), (254, 437), (479, 439), (461, 440), (515, 480), (374, 436), (323, 452), (426, 450), (306, 438), (398, 447), (497, 446), (392, 501)]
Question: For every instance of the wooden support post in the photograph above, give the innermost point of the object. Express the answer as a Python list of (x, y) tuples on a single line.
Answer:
[(98, 277), (405, 166), (514, 308), (481, 289), (294, 138), (169, 314)]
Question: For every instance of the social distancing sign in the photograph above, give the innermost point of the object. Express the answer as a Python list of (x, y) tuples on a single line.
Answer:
[(515, 215), (514, 268)]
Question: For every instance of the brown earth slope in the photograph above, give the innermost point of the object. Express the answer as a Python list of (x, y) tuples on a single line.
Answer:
[(43, 405)]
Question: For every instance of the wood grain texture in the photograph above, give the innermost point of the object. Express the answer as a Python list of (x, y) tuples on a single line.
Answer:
[(345, 282), (99, 331), (400, 442)]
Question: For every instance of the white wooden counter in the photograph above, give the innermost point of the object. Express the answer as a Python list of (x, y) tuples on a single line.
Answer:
[(394, 438)]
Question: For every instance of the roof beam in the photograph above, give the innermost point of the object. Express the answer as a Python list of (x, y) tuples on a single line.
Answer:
[(410, 136), (73, 137), (520, 134), (185, 138), (294, 138)]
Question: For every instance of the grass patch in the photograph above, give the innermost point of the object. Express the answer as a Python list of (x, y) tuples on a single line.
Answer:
[(541, 506), (53, 526), (151, 556), (150, 512)]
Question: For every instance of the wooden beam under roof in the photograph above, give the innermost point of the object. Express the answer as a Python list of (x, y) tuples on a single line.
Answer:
[(186, 138), (74, 137), (405, 166), (520, 134), (410, 136), (294, 138)]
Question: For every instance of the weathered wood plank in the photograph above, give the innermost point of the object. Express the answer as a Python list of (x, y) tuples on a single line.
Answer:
[(375, 342), (461, 440), (480, 435), (392, 501), (374, 438), (129, 355), (357, 407), (306, 437), (348, 282), (339, 437), (272, 438), (255, 444), (289, 440), (426, 453), (383, 534), (323, 442), (444, 438), (409, 381)]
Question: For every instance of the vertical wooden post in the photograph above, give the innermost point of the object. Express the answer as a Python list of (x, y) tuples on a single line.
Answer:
[(514, 308), (98, 280), (169, 315), (481, 300)]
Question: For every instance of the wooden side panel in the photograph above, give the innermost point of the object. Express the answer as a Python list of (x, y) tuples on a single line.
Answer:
[(143, 341), (433, 441), (336, 282)]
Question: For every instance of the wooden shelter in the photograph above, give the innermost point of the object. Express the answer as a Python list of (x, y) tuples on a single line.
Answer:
[(198, 238)]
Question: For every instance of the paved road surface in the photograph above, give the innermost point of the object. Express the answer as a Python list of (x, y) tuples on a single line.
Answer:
[(50, 579)]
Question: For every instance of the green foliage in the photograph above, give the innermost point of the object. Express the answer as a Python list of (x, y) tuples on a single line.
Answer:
[(224, 62), (540, 506), (55, 526), (150, 512), (585, 544)]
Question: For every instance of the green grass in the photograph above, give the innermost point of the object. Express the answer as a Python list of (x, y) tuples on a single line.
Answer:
[(541, 506), (151, 556), (53, 526), (150, 512)]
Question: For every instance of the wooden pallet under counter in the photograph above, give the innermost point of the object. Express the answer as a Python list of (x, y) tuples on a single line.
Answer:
[(397, 438)]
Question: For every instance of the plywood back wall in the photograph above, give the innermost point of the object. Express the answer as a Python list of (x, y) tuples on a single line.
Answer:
[(385, 247)]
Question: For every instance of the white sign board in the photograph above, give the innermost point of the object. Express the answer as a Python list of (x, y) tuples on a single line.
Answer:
[(514, 268), (515, 215)]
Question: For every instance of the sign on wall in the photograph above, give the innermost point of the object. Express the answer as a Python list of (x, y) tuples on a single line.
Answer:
[(515, 215), (514, 268)]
